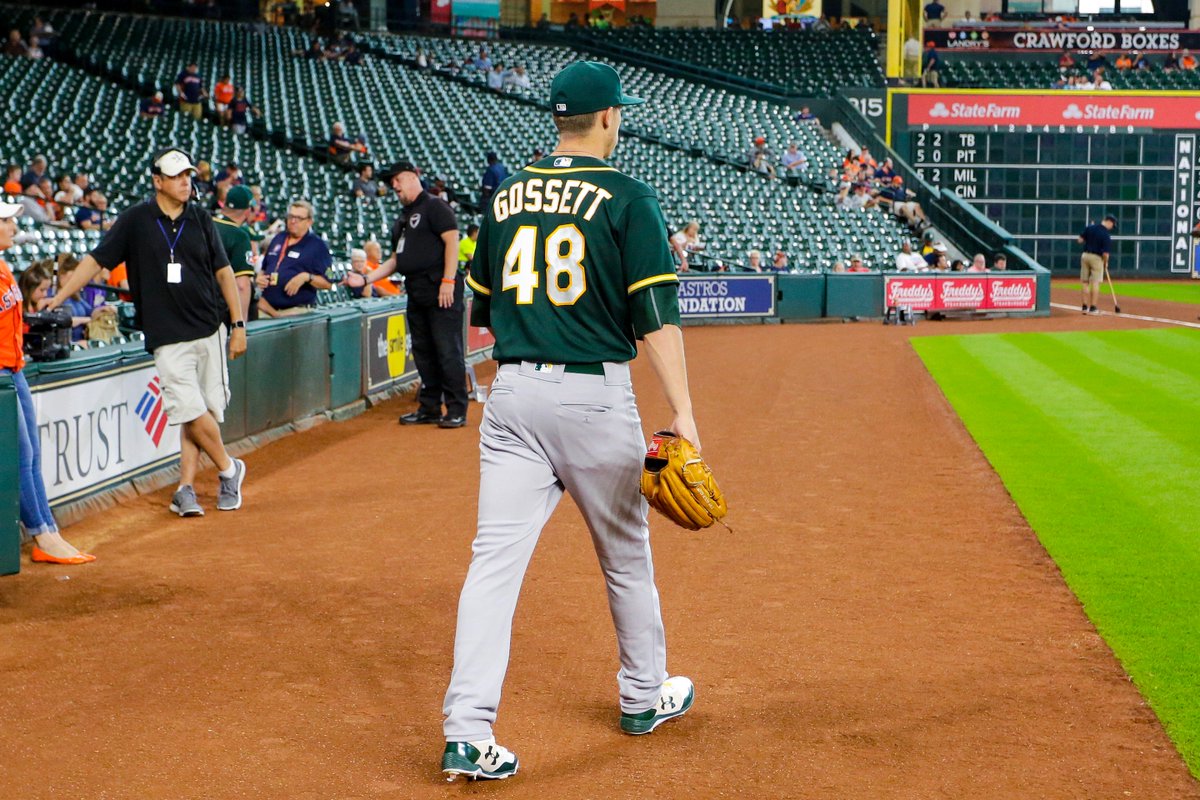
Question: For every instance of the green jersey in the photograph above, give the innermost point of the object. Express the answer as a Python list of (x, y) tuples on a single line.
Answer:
[(237, 245), (565, 245)]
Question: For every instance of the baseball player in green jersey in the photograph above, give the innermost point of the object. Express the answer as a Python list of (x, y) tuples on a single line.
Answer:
[(231, 226), (572, 268)]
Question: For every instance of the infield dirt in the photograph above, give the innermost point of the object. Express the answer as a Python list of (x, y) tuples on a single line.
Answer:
[(882, 623)]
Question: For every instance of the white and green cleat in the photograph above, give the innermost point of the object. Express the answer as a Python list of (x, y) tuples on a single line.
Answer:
[(676, 698), (480, 761)]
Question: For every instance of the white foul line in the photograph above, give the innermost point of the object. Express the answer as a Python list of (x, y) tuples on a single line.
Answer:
[(1179, 322)]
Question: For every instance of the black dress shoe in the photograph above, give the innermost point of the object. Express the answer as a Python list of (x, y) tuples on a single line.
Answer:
[(452, 422), (419, 418)]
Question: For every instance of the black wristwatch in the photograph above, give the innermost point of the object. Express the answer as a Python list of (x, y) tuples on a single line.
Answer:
[(241, 323)]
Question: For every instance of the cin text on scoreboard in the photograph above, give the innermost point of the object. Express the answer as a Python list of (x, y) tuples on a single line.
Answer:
[(1044, 165)]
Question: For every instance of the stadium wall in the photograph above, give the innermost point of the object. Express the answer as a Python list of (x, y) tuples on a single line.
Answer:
[(104, 436)]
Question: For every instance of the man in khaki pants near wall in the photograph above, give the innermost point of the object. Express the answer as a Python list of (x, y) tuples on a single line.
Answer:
[(1093, 264)]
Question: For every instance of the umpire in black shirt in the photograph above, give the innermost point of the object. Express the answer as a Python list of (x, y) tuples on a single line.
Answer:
[(178, 276), (425, 252)]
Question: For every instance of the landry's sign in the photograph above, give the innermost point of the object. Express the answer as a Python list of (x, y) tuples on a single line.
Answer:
[(1056, 109), (960, 292), (101, 431), (1073, 40)]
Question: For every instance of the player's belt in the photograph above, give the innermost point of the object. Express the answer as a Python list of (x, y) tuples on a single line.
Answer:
[(576, 369)]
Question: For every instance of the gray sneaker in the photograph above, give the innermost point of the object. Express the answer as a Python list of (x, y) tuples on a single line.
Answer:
[(183, 502), (229, 497)]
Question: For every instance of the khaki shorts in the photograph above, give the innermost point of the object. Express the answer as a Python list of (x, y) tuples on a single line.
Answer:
[(1091, 269), (194, 378)]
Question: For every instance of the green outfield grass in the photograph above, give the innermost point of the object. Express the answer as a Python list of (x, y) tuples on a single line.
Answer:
[(1097, 437), (1183, 290)]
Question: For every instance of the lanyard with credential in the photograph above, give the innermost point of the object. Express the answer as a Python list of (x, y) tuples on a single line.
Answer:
[(171, 243)]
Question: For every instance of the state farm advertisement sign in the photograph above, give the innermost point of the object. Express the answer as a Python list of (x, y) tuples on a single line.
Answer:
[(959, 292), (1066, 108)]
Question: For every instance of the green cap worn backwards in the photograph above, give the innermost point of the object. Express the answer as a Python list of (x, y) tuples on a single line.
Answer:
[(587, 86)]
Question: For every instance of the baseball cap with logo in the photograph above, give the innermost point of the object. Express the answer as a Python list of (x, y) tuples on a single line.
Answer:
[(587, 86), (239, 197), (171, 162), (11, 210)]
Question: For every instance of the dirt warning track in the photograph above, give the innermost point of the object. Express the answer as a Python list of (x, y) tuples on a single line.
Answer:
[(882, 623)]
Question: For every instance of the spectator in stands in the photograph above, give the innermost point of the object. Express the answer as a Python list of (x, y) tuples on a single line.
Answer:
[(223, 93), (466, 248), (518, 80), (35, 285), (754, 261), (495, 78), (1125, 61), (935, 255), (1187, 60), (35, 513), (35, 49), (759, 157), (805, 115), (573, 21), (481, 62), (365, 184), (83, 182), (37, 170), (239, 111), (189, 88), (84, 305), (906, 206), (315, 52), (1066, 61), (230, 175), (93, 218), (46, 189), (493, 175), (686, 241), (1171, 63), (15, 46), (931, 65), (885, 173), (440, 190), (1100, 82), (67, 193), (295, 267), (856, 265), (202, 183), (543, 22), (793, 161), (421, 60), (999, 262), (34, 204), (385, 286), (352, 55), (151, 107), (341, 146), (935, 14), (780, 261), (1095, 61), (12, 180), (908, 261), (978, 263), (1140, 62), (43, 32)]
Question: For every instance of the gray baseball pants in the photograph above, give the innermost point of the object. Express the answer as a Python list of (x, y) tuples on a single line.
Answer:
[(545, 431)]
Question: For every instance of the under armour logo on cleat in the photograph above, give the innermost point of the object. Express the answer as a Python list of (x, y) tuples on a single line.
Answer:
[(666, 703), (492, 754)]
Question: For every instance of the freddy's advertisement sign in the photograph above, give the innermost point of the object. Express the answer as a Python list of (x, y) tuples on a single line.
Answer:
[(960, 292), (979, 109)]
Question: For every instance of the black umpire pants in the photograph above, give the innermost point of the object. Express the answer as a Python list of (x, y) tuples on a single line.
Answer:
[(437, 344)]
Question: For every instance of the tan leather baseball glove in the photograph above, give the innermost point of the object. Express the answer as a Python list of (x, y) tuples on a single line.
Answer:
[(680, 485)]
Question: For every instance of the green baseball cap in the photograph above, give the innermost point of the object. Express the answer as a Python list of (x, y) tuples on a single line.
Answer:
[(587, 86), (239, 197)]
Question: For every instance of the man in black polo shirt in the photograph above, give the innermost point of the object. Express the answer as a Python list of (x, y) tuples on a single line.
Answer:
[(425, 251), (178, 273), (1093, 264)]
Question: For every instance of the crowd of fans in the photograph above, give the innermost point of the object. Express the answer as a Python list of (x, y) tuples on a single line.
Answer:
[(40, 41), (1090, 74)]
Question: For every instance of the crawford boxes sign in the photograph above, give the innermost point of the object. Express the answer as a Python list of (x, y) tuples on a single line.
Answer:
[(1075, 40), (961, 292), (103, 430), (726, 296)]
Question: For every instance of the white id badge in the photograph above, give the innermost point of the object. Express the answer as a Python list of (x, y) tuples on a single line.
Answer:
[(174, 272)]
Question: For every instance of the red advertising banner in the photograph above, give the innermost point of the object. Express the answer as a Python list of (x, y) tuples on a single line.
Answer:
[(1059, 108), (1020, 40), (439, 12), (477, 338), (961, 292)]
